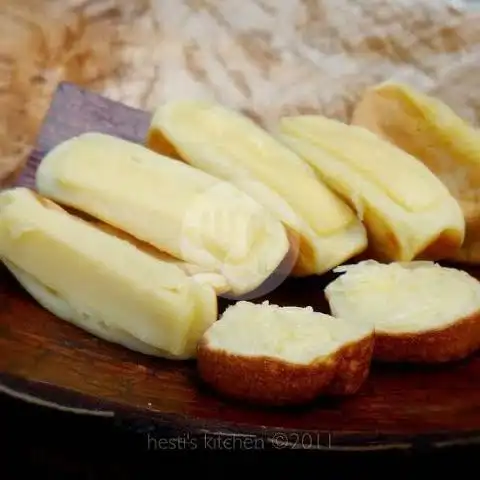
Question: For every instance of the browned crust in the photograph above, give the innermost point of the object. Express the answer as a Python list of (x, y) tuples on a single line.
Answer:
[(354, 366), (46, 202), (262, 380), (394, 120), (159, 143), (384, 244), (268, 381), (79, 216), (452, 343), (445, 245)]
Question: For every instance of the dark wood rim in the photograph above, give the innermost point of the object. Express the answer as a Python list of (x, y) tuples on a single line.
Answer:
[(175, 425)]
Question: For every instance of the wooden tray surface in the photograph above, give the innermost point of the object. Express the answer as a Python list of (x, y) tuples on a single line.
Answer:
[(50, 360)]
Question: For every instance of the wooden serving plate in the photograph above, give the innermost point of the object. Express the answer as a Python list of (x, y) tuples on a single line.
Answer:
[(46, 359)]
